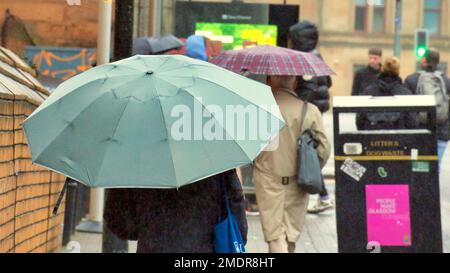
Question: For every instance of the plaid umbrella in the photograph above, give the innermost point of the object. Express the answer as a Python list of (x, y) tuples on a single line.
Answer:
[(272, 60)]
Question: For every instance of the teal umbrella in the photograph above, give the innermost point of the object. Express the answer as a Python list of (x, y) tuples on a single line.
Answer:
[(141, 122)]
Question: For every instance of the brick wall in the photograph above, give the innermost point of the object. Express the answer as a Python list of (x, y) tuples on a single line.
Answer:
[(28, 192)]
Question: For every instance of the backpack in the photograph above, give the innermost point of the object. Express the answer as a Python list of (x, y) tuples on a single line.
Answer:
[(381, 120), (432, 83), (385, 120)]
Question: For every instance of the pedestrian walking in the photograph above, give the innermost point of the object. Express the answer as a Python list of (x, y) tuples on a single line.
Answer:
[(431, 81), (175, 220), (388, 84), (304, 36), (281, 202), (199, 47), (368, 75)]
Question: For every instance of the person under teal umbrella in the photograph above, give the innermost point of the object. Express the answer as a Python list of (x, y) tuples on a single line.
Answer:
[(112, 127)]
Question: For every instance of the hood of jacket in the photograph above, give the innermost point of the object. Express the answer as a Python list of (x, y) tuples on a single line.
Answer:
[(389, 84), (196, 47), (304, 36)]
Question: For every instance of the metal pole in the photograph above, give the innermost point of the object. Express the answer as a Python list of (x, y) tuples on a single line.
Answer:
[(123, 45), (123, 29), (398, 28), (157, 17), (96, 202), (143, 18)]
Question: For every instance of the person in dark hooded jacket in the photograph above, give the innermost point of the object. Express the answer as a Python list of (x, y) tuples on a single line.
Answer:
[(175, 220), (388, 84), (304, 36)]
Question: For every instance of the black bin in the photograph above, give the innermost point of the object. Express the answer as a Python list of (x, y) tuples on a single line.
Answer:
[(387, 181)]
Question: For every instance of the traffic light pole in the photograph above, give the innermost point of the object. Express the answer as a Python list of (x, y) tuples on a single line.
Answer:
[(123, 44), (95, 218), (398, 28)]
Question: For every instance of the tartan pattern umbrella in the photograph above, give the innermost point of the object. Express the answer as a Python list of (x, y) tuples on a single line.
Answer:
[(272, 60)]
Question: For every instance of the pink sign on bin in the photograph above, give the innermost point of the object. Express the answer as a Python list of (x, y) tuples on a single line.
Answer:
[(388, 215)]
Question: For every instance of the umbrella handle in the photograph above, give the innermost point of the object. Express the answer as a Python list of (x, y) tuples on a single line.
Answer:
[(61, 195)]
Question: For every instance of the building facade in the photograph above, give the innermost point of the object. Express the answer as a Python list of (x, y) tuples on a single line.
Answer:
[(348, 27)]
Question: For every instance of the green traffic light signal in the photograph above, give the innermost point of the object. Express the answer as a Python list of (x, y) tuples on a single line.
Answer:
[(421, 52), (421, 42)]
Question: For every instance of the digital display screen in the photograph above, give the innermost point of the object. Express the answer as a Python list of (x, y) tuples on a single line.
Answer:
[(238, 36)]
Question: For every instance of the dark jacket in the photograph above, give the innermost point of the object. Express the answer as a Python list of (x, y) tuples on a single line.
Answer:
[(386, 85), (315, 91), (175, 221), (363, 78), (411, 82), (305, 37)]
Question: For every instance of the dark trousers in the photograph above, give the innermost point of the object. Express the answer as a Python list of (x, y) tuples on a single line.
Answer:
[(324, 192)]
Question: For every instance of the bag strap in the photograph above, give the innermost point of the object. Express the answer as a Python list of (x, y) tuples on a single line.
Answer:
[(419, 83), (305, 108), (60, 198), (227, 203), (224, 194), (303, 116)]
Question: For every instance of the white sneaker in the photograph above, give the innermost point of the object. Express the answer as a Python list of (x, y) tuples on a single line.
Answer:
[(321, 206), (251, 209)]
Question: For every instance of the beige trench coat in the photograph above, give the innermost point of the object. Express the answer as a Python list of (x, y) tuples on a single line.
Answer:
[(283, 207)]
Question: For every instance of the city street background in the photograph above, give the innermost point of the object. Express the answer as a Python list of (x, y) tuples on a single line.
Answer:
[(319, 234), (47, 42)]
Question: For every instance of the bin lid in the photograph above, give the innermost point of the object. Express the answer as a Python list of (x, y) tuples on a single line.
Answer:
[(372, 102)]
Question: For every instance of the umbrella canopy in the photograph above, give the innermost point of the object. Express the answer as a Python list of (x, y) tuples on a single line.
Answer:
[(115, 125), (155, 45), (272, 60)]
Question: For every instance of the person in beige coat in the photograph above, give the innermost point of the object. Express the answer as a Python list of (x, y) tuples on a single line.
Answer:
[(282, 203)]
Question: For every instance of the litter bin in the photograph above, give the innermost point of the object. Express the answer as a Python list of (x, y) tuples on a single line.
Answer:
[(387, 181)]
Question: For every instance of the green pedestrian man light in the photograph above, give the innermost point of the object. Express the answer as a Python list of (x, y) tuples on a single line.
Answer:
[(421, 52), (421, 43)]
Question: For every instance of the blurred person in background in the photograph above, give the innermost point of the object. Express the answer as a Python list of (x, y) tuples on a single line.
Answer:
[(388, 83), (367, 75), (431, 81), (304, 36)]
